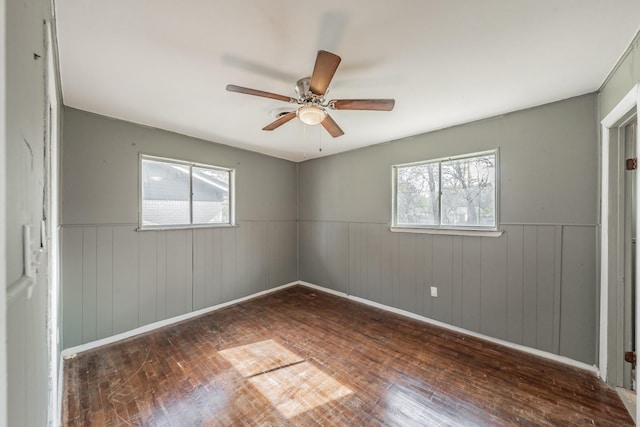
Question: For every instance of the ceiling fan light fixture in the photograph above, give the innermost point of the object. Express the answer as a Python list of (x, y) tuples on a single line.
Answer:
[(311, 114)]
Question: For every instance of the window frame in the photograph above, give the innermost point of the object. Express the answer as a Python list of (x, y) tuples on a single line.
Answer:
[(191, 165), (472, 230)]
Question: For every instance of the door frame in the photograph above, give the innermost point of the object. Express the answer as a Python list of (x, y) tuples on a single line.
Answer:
[(611, 122), (3, 262), (627, 144)]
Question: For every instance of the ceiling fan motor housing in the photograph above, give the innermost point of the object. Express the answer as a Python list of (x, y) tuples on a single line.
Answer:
[(303, 86)]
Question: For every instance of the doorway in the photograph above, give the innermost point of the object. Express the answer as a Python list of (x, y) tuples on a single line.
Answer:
[(616, 239), (620, 257)]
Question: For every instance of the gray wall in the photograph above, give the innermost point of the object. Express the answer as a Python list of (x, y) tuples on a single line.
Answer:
[(26, 317), (114, 278), (535, 285)]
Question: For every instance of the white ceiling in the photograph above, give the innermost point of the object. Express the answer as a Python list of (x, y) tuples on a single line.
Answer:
[(165, 63)]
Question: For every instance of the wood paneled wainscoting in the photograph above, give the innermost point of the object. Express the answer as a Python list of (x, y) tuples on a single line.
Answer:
[(303, 357), (115, 279), (535, 285)]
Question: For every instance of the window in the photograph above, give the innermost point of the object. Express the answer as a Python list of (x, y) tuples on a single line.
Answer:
[(178, 194), (459, 192)]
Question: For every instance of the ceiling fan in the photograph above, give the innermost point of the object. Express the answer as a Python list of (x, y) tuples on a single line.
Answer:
[(311, 92)]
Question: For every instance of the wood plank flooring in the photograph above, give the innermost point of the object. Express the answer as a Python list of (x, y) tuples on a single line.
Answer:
[(300, 357)]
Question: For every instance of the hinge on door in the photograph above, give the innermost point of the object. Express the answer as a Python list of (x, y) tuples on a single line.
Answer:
[(632, 164), (630, 357)]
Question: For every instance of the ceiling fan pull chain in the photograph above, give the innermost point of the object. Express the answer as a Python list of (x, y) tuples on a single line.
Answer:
[(304, 138)]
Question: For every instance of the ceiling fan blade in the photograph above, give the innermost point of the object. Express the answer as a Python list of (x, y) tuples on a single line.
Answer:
[(255, 92), (332, 127), (363, 104), (280, 121), (323, 71)]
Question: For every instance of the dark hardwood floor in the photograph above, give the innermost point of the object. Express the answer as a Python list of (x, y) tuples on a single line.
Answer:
[(303, 357)]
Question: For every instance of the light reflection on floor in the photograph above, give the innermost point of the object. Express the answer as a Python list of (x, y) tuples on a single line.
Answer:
[(406, 408), (290, 383)]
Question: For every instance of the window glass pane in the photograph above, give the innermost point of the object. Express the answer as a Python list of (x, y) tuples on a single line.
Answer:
[(468, 191), (210, 196), (165, 193), (417, 194)]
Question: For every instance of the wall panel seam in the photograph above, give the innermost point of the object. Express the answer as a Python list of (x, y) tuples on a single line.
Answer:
[(112, 271), (82, 288), (480, 316), (96, 279), (349, 278), (522, 296), (193, 267), (138, 279), (535, 312), (558, 287)]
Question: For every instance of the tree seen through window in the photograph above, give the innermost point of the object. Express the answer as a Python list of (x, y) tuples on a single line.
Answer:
[(452, 192)]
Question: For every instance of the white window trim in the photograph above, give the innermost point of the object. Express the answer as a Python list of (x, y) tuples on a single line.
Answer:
[(232, 195), (448, 231), (455, 230)]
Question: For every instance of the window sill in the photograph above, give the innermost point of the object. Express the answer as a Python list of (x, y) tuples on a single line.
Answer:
[(186, 227), (448, 231)]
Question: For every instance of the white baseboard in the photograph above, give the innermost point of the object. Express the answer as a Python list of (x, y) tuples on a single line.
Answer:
[(67, 352), (323, 289), (533, 351), (150, 327)]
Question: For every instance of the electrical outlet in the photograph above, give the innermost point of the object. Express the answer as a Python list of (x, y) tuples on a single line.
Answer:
[(434, 291)]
